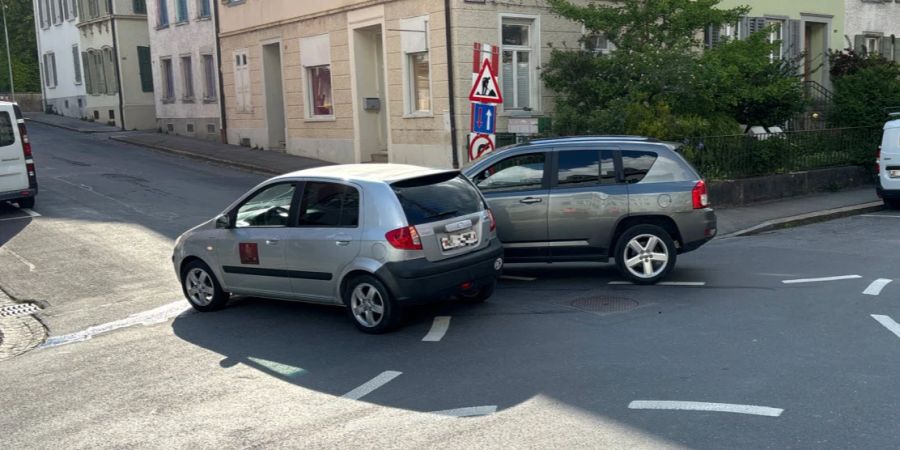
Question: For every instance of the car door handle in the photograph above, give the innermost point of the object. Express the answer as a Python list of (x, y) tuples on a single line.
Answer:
[(530, 200), (271, 241), (341, 240)]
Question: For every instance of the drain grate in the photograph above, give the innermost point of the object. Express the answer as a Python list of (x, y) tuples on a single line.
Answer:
[(604, 304), (21, 309)]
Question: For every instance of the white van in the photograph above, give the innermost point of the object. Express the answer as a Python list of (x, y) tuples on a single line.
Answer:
[(18, 183)]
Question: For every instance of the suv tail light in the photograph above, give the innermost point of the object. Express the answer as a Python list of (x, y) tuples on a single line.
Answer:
[(490, 216), (406, 238), (699, 195)]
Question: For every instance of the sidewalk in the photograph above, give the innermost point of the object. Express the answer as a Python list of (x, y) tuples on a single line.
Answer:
[(68, 123), (263, 161)]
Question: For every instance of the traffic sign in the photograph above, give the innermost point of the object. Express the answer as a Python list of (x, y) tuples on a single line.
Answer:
[(486, 88), (484, 118), (479, 144)]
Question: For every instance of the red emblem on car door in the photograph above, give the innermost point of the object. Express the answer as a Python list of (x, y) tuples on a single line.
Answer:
[(249, 253)]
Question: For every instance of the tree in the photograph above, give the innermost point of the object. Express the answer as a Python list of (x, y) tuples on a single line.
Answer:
[(864, 85), (23, 48)]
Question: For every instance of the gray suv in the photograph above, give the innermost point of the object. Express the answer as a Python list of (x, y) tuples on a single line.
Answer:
[(373, 238), (591, 198)]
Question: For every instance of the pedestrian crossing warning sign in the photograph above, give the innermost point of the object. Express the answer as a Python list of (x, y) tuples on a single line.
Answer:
[(486, 89)]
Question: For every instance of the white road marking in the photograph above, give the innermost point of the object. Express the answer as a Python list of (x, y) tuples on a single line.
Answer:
[(438, 329), (14, 218), (31, 212), (888, 323), (704, 406), (517, 278), (471, 411), (880, 215), (876, 286), (663, 283), (279, 368), (815, 280), (31, 267), (151, 317), (369, 386)]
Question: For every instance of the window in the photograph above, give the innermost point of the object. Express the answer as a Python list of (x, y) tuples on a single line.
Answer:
[(776, 35), (636, 164), (63, 10), (109, 69), (598, 44), (95, 8), (50, 79), (76, 63), (144, 68), (518, 65), (873, 45), (241, 81), (419, 82), (54, 11), (586, 167), (139, 6), (88, 76), (168, 77), (209, 78), (73, 9), (270, 207), (7, 135), (42, 8), (187, 79), (181, 14), (329, 205), (162, 13), (437, 197), (320, 90), (516, 173), (100, 74), (203, 10)]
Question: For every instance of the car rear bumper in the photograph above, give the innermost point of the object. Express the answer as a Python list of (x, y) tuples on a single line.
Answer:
[(420, 281), (890, 194), (697, 228), (16, 195)]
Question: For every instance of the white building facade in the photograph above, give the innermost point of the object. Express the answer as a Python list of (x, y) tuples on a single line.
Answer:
[(185, 67), (59, 51), (873, 26)]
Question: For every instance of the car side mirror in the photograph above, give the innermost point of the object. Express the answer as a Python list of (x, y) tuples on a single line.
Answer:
[(223, 221)]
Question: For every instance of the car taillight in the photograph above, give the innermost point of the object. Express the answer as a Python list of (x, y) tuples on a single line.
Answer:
[(878, 161), (26, 143), (30, 168), (490, 216), (406, 238), (699, 195)]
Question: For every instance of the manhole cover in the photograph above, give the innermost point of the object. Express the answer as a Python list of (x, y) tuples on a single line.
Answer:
[(604, 304), (21, 309)]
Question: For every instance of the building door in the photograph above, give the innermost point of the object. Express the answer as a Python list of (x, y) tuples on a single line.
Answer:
[(815, 42), (274, 96), (371, 117)]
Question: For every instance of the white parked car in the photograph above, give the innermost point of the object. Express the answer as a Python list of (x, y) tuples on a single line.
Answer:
[(888, 163), (18, 183)]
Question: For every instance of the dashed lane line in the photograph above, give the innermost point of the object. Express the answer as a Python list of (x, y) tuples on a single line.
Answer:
[(704, 406), (438, 329), (881, 215), (816, 280), (369, 386), (663, 283), (888, 323), (876, 286), (472, 411)]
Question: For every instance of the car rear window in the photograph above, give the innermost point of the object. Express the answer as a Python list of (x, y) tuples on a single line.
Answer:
[(18, 112), (437, 197), (636, 164), (7, 134)]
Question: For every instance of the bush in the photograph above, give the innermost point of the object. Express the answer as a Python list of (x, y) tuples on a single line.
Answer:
[(863, 87)]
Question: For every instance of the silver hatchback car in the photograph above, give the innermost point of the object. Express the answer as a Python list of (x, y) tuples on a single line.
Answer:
[(592, 198), (371, 237)]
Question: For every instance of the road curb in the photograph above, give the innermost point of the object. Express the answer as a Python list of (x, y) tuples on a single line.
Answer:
[(66, 127), (197, 156), (808, 218)]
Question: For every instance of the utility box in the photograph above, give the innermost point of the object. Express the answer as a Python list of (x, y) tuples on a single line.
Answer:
[(372, 104)]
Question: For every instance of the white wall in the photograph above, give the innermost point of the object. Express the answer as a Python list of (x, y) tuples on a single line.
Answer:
[(59, 39), (870, 18)]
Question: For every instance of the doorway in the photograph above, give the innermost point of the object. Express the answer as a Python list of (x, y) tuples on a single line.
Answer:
[(371, 117), (274, 92), (815, 41)]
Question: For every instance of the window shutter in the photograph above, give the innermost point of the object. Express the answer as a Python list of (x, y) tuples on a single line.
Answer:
[(859, 43), (53, 62), (145, 69), (793, 44), (75, 57), (86, 64), (886, 49)]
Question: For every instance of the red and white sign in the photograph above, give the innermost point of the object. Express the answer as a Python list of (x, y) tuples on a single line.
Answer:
[(486, 88), (485, 53), (480, 144)]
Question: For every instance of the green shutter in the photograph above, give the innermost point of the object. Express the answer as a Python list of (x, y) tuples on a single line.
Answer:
[(145, 69), (140, 6)]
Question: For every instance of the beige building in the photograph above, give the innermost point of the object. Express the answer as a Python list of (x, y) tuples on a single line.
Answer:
[(367, 80)]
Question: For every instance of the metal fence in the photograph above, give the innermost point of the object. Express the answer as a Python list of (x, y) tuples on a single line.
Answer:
[(743, 156)]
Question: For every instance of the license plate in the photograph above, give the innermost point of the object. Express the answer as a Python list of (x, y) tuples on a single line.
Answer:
[(894, 173), (457, 240)]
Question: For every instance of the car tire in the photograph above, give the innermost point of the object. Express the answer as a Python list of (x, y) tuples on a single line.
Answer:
[(26, 203), (891, 203), (370, 305), (481, 295), (643, 244), (201, 288)]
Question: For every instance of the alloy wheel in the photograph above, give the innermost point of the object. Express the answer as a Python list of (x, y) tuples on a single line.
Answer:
[(367, 305), (646, 256)]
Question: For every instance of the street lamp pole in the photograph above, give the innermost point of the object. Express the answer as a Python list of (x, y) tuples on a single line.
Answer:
[(12, 86)]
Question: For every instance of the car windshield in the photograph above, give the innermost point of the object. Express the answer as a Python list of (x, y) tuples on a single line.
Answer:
[(437, 197)]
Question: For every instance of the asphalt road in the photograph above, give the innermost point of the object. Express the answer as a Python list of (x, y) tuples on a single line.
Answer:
[(558, 358)]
